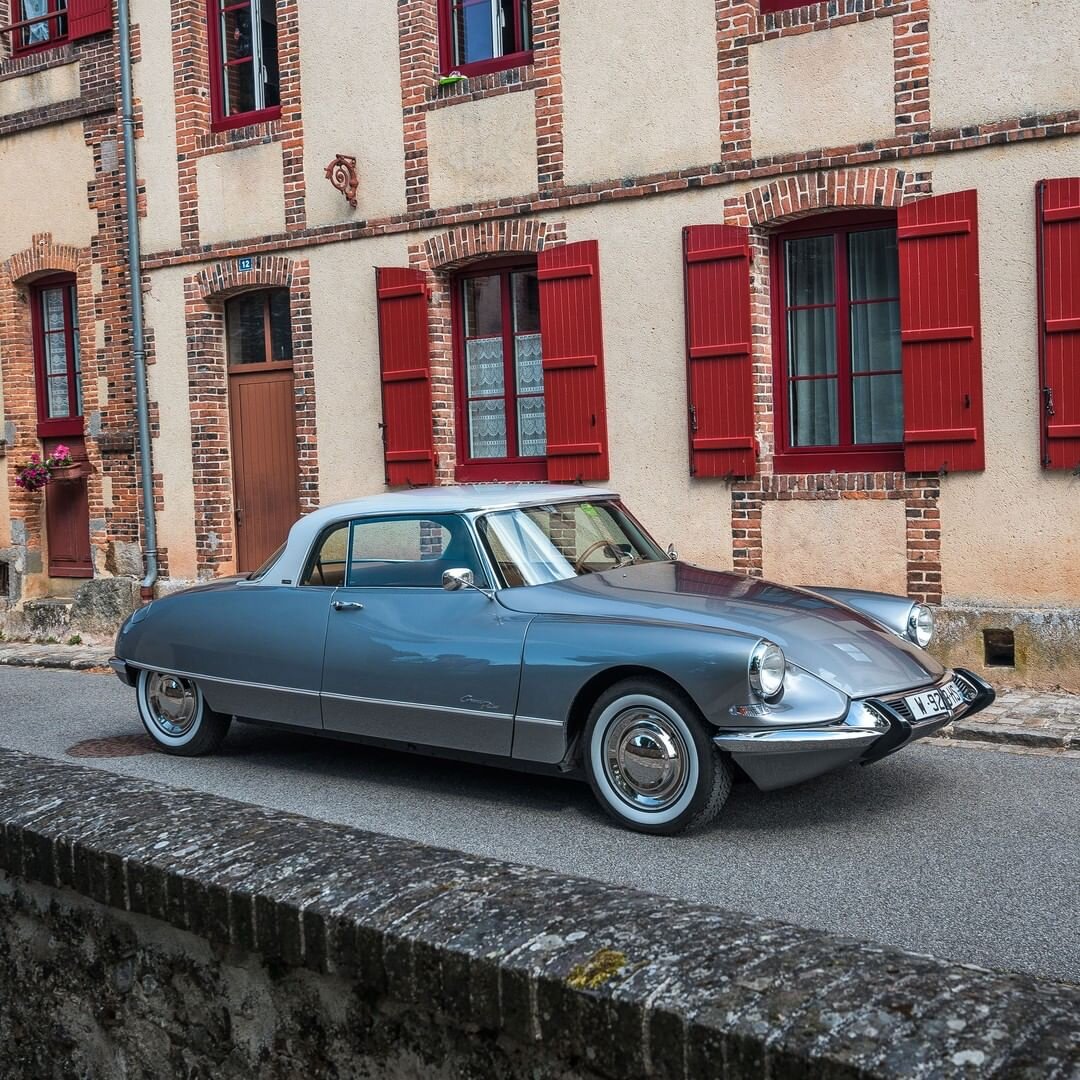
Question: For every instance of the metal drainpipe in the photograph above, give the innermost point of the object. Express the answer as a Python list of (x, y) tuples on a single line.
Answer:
[(146, 471)]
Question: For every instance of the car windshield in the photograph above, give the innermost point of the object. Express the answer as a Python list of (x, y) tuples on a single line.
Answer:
[(538, 544)]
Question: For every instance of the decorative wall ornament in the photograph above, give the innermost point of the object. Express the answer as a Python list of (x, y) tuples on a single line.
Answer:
[(341, 172)]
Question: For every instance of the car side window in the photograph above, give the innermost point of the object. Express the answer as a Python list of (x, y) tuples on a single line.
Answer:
[(327, 567), (410, 552)]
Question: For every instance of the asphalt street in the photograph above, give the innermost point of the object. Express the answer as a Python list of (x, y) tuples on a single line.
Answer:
[(968, 854)]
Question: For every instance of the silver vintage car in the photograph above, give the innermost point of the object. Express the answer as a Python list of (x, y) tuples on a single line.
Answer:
[(542, 626)]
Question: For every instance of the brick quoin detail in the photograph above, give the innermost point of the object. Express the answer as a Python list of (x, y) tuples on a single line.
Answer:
[(762, 209), (439, 257), (205, 294)]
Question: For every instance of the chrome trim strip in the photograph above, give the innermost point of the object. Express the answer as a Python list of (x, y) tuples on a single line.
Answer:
[(228, 682), (539, 720), (418, 705), (859, 729)]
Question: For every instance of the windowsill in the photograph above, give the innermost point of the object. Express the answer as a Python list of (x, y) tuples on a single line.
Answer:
[(248, 119), (55, 54), (36, 50), (488, 67), (493, 472), (835, 459), (771, 7)]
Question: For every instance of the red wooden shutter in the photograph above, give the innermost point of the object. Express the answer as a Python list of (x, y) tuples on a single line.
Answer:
[(87, 17), (1059, 320), (573, 348), (941, 334), (405, 353), (720, 374)]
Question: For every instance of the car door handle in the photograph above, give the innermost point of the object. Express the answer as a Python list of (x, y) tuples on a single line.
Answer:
[(347, 605)]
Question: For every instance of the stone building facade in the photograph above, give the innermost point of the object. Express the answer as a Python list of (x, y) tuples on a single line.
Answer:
[(798, 280)]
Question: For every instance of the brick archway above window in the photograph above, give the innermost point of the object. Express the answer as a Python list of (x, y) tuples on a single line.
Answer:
[(221, 280), (490, 239), (795, 196), (44, 257)]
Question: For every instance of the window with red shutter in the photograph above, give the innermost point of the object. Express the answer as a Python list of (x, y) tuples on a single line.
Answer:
[(573, 359), (720, 375), (1059, 320), (940, 333), (405, 359), (837, 387), (89, 17)]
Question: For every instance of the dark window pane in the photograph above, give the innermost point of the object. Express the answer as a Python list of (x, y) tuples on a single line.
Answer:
[(505, 15), (272, 80), (809, 271), (474, 38), (873, 264), (483, 306), (875, 336), (812, 341), (237, 42), (280, 325), (525, 290), (526, 24), (46, 30), (879, 409), (328, 566), (813, 413), (245, 316)]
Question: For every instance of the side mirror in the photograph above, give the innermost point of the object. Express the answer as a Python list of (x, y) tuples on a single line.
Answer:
[(457, 578), (672, 554)]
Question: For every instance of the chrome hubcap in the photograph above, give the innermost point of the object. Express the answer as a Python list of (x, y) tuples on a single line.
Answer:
[(172, 702), (645, 759)]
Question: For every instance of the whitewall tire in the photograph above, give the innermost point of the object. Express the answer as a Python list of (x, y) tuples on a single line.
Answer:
[(650, 760), (176, 716)]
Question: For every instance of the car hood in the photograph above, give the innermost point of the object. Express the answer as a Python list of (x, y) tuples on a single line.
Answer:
[(846, 649)]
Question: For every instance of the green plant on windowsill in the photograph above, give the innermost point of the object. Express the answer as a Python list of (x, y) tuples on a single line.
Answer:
[(451, 79)]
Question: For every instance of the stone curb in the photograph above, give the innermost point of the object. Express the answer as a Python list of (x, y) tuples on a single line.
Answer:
[(609, 982), (71, 659)]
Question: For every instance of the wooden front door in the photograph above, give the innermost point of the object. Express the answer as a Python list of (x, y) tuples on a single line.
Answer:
[(265, 483), (58, 381), (67, 516), (262, 409)]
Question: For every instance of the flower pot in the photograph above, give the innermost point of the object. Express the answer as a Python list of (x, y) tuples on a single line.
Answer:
[(73, 471)]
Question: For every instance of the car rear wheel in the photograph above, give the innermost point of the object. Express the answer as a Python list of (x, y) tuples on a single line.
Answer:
[(650, 760), (176, 716)]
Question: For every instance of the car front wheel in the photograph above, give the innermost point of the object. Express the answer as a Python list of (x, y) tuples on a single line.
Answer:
[(650, 760), (176, 716)]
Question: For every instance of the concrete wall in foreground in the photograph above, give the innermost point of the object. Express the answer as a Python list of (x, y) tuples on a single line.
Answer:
[(244, 942)]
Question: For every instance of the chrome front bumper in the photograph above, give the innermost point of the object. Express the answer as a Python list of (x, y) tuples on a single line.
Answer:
[(872, 729)]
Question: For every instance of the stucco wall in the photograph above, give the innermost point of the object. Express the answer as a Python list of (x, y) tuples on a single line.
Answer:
[(857, 543), (640, 87), (1012, 533), (352, 105), (48, 87), (641, 279), (241, 193), (482, 149), (1001, 58), (345, 341), (829, 88), (156, 150), (167, 380), (43, 176)]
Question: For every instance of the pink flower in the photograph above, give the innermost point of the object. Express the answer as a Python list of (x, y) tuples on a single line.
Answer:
[(61, 452)]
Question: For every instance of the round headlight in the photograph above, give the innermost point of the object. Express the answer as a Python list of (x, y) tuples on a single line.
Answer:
[(767, 667), (921, 625)]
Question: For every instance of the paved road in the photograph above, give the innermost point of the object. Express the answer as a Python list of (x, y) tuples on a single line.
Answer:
[(972, 855)]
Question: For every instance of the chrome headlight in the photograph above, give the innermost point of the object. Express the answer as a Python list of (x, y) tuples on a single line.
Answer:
[(920, 625), (767, 667)]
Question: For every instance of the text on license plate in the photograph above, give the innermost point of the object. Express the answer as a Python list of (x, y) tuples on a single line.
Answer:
[(935, 702)]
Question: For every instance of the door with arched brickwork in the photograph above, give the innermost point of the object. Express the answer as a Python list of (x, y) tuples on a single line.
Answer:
[(262, 412)]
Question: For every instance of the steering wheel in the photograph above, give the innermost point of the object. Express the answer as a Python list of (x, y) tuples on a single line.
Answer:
[(579, 562)]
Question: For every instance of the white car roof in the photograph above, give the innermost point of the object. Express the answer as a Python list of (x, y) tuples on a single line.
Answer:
[(450, 499)]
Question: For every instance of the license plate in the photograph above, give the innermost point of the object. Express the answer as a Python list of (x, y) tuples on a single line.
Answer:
[(935, 702)]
